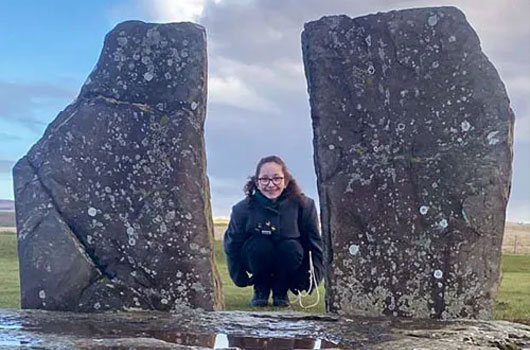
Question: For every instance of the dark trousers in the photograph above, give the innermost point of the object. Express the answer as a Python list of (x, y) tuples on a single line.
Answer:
[(272, 263)]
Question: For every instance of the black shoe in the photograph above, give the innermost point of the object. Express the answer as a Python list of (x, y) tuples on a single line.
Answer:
[(280, 301), (279, 292), (261, 297)]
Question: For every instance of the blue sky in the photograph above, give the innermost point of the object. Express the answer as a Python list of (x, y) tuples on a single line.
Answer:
[(257, 89)]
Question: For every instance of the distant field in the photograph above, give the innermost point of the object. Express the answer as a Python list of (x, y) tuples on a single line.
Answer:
[(516, 236), (220, 221), (516, 239), (7, 218), (219, 231)]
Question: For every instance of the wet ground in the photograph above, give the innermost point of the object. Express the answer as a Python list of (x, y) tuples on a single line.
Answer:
[(195, 330)]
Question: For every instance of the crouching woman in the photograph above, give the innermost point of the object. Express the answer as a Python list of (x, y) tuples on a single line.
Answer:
[(270, 236)]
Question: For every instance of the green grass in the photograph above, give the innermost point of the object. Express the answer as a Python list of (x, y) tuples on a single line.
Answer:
[(513, 302), (9, 280)]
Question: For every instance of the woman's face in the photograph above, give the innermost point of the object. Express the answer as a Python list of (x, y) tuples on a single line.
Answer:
[(271, 180)]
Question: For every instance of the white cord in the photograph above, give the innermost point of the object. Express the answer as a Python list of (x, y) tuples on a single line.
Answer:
[(312, 277)]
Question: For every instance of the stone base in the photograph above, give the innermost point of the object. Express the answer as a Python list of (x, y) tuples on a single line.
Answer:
[(194, 330)]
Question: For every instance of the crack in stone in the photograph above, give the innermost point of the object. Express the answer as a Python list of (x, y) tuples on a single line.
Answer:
[(25, 186), (142, 106), (328, 249), (446, 269), (93, 259), (135, 268), (65, 121)]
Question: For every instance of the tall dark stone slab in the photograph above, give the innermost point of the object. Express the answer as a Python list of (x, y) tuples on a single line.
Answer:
[(113, 203), (413, 151)]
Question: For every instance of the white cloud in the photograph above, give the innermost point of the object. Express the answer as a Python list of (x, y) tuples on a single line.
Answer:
[(280, 73), (518, 211), (522, 128), (227, 191), (157, 10), (233, 91), (518, 84), (176, 10), (225, 183)]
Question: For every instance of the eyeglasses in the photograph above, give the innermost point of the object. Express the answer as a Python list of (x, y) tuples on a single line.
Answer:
[(264, 181)]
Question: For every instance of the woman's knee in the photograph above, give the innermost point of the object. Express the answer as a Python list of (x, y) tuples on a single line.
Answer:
[(257, 252), (289, 253)]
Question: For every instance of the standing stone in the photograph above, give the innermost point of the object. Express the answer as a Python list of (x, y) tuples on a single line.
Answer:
[(413, 150), (113, 203)]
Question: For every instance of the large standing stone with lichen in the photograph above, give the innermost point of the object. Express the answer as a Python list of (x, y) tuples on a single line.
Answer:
[(112, 203), (413, 150)]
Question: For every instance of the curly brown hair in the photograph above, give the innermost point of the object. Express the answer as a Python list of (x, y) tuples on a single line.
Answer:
[(291, 190)]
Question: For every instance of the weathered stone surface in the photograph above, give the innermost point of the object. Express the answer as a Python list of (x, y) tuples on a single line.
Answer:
[(413, 150), (112, 203), (189, 329)]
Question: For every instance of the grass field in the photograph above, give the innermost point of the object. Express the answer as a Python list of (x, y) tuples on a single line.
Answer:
[(9, 281), (513, 302)]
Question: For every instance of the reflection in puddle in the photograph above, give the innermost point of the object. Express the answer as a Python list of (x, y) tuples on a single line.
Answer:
[(259, 343), (221, 341)]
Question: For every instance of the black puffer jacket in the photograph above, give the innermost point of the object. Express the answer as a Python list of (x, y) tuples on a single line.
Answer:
[(285, 218)]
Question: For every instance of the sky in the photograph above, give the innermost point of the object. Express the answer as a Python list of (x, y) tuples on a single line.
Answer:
[(257, 95)]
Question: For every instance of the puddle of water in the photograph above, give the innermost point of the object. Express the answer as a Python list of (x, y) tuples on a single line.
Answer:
[(212, 341), (15, 334), (7, 324), (15, 340), (11, 340)]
